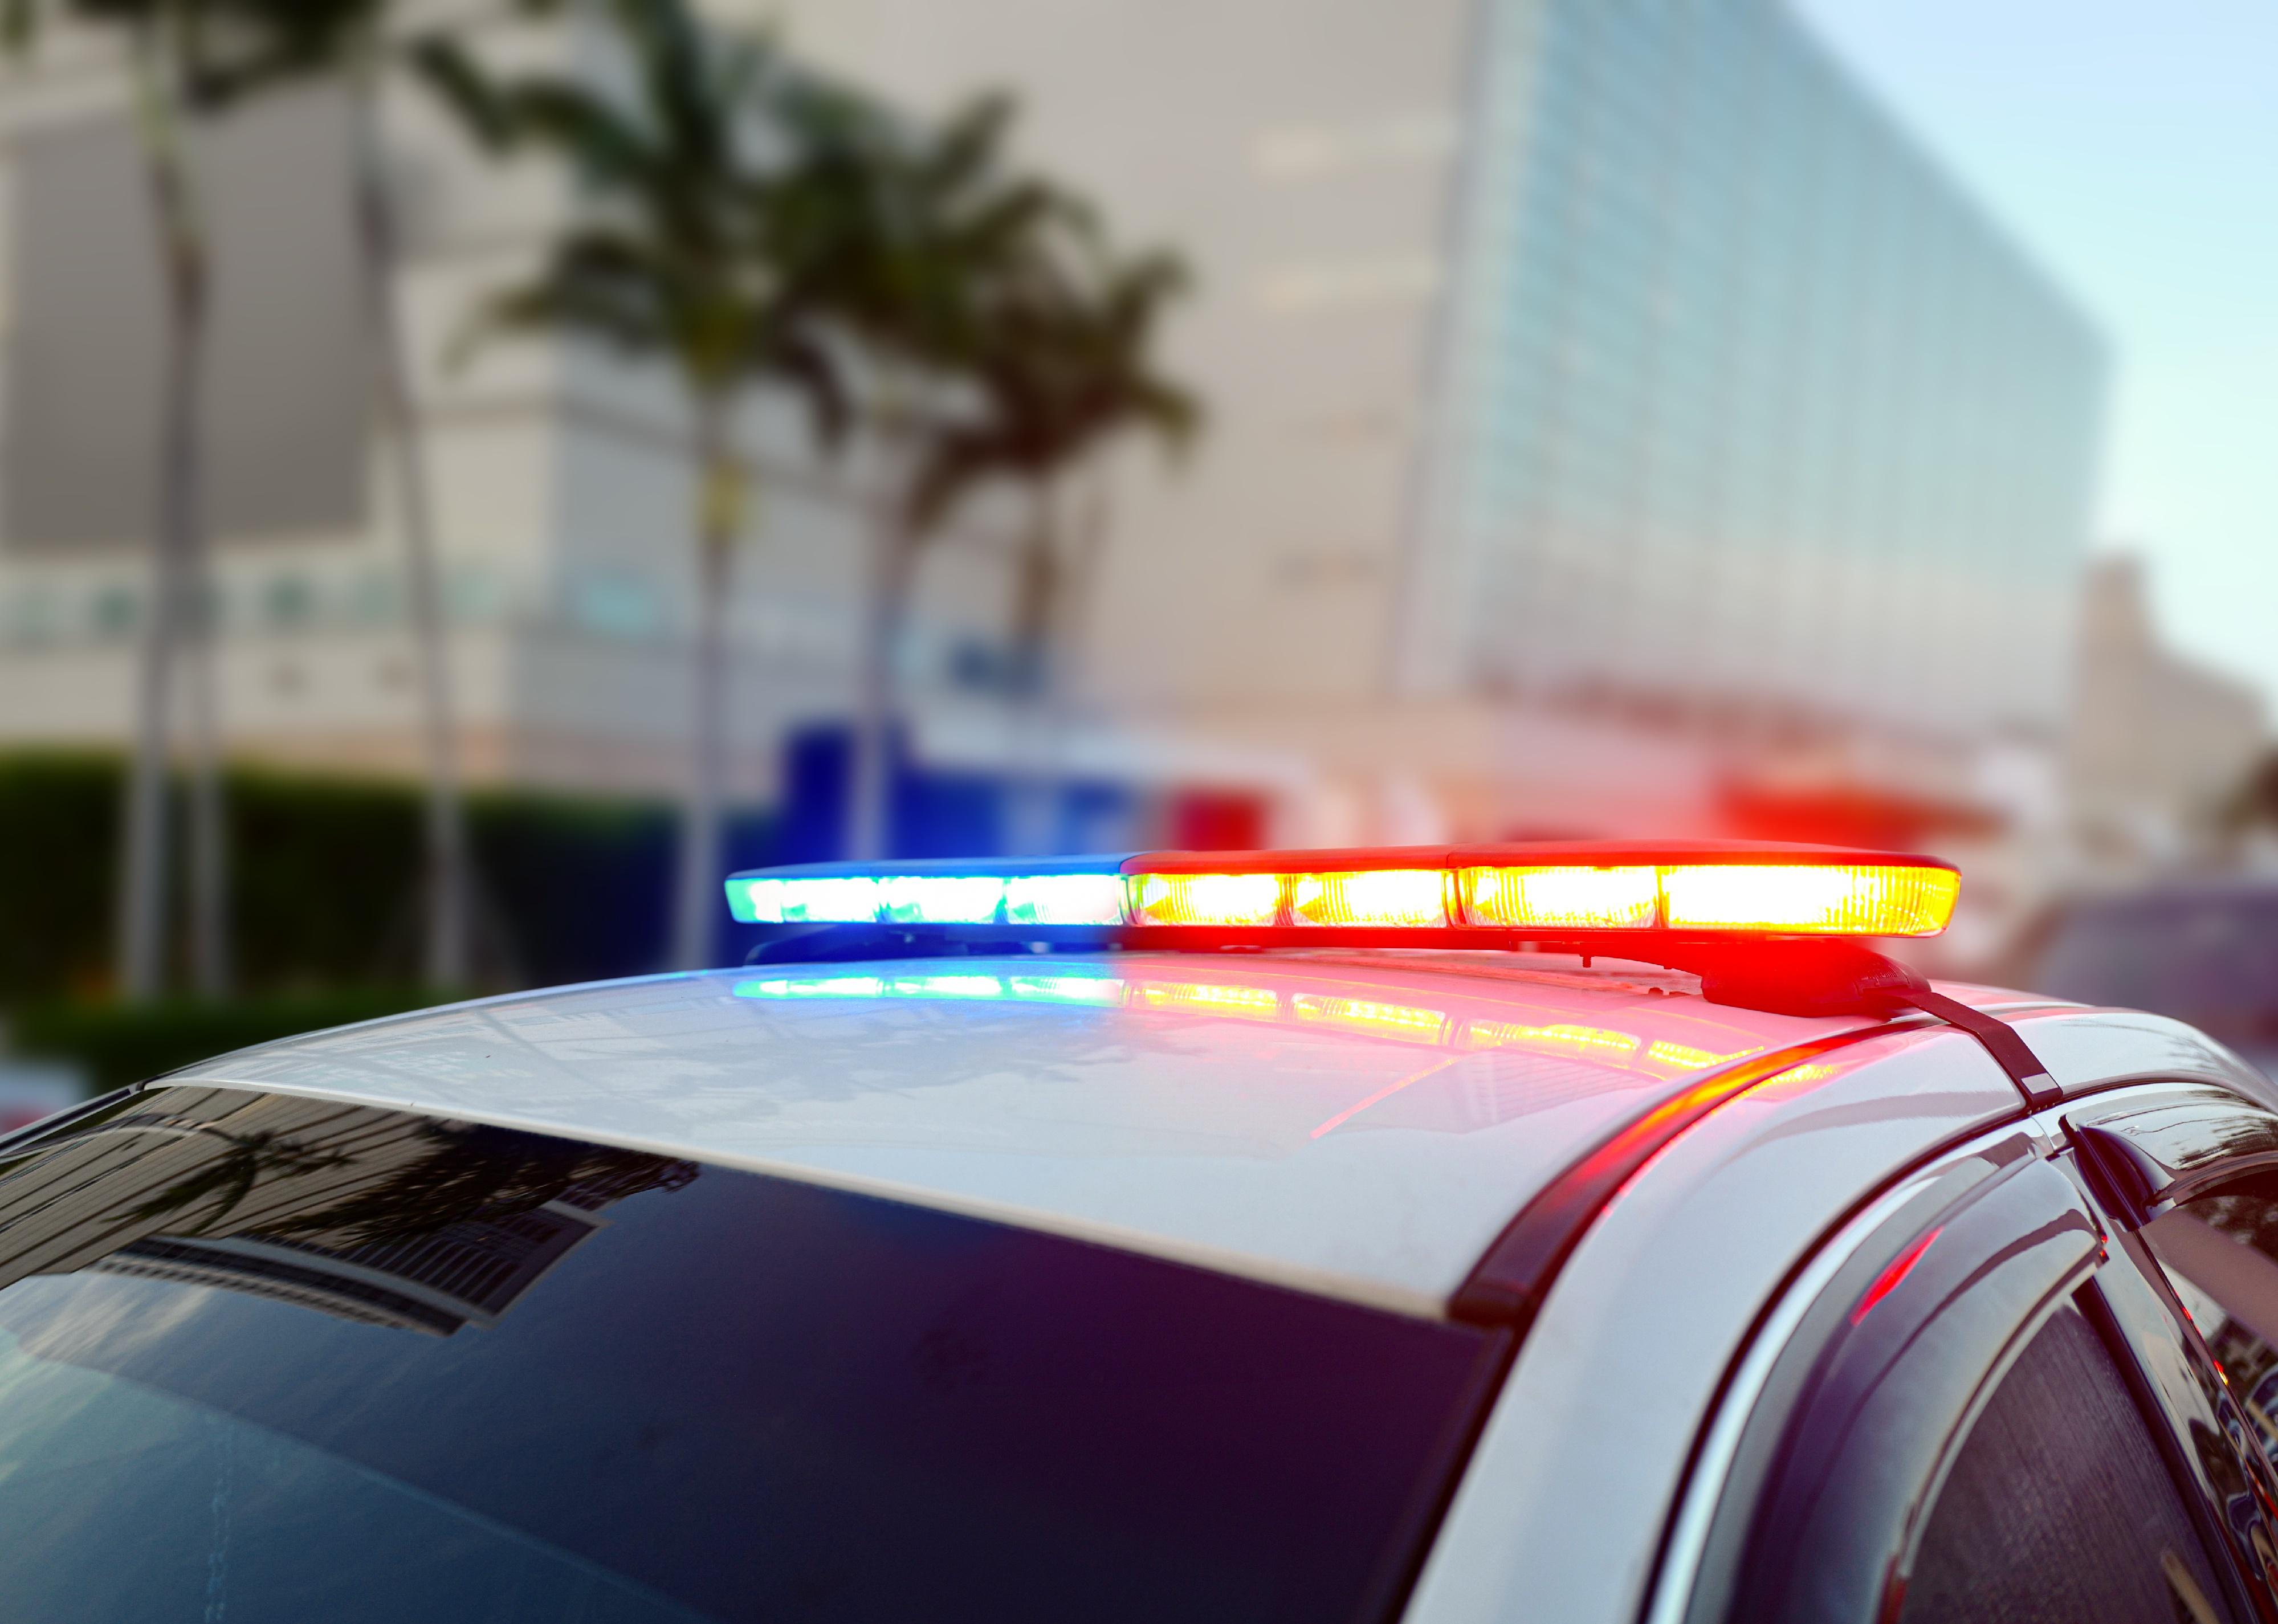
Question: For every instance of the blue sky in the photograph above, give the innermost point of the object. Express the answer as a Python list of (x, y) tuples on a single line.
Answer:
[(2132, 147)]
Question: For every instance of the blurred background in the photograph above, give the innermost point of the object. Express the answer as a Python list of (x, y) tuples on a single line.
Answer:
[(472, 474)]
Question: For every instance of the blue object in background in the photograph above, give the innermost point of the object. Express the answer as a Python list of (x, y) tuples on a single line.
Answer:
[(938, 812)]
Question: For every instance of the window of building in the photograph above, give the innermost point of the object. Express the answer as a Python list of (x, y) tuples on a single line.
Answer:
[(117, 608), (282, 418), (289, 600)]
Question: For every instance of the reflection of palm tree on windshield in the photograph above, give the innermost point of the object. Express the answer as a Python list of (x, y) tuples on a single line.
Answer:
[(367, 1215), (378, 1214), (233, 1174), (484, 1175)]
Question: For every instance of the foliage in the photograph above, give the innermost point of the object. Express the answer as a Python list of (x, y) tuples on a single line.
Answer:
[(326, 872), (1064, 362), (222, 51), (694, 251), (121, 1043), (325, 875), (58, 841), (1016, 338), (478, 1174)]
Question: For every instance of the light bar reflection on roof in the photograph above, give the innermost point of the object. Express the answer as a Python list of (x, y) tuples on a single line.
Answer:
[(1556, 891), (1403, 1023)]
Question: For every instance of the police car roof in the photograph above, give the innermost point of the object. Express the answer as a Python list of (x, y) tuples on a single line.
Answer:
[(1363, 1123)]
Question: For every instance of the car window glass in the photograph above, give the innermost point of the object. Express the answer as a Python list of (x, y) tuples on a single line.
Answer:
[(300, 1360), (2220, 1253), (2059, 1506)]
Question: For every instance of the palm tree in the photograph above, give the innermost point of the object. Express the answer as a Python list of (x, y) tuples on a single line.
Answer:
[(1007, 343), (945, 224), (283, 40), (172, 48), (1067, 368), (449, 887), (698, 254), (193, 58)]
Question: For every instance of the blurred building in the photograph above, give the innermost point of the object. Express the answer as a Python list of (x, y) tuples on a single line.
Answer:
[(1615, 422), (1738, 400), (1607, 398), (560, 482), (2158, 746)]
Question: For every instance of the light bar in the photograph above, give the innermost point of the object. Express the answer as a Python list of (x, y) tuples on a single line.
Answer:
[(1205, 899), (1562, 891), (1382, 897), (1847, 899), (1547, 898), (1047, 896)]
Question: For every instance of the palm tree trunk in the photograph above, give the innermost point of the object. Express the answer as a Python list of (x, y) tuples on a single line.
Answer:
[(142, 891), (1064, 589), (445, 961), (700, 900), (179, 608), (1035, 595), (893, 556)]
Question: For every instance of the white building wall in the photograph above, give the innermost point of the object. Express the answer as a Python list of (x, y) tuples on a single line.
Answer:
[(1298, 153), (563, 503)]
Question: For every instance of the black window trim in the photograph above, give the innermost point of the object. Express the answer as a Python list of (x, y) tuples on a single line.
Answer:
[(2142, 1153), (2015, 1240)]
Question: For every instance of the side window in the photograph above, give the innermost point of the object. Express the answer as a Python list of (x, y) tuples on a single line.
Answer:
[(2059, 1506), (2220, 1253)]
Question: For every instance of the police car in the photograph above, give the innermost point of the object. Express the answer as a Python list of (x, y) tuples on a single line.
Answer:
[(1523, 1232)]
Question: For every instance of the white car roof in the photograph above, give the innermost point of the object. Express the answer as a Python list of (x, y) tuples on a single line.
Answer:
[(1365, 1125)]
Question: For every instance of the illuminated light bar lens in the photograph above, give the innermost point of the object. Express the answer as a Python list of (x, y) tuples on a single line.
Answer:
[(1064, 899), (1382, 897), (931, 899), (1561, 899), (1809, 898), (852, 900), (1206, 899), (1787, 892)]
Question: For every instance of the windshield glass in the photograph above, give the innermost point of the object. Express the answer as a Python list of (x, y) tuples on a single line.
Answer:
[(270, 1357)]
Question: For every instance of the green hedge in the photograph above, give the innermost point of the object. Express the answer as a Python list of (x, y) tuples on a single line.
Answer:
[(325, 881), (58, 849), (115, 1044)]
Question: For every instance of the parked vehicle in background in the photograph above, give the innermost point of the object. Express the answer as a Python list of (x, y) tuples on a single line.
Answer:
[(2202, 950)]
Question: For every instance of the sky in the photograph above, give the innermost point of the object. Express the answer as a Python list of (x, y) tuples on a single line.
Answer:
[(2131, 147)]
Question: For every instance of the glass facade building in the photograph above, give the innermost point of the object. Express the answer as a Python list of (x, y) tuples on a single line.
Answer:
[(1739, 402)]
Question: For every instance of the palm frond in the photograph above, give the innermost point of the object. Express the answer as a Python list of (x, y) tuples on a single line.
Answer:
[(609, 148), (451, 76), (627, 323), (19, 25)]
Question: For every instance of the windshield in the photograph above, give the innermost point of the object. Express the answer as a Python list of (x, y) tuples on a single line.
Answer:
[(268, 1358), (2211, 959)]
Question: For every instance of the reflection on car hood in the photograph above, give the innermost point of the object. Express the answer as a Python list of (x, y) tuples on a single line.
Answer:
[(1366, 1127)]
